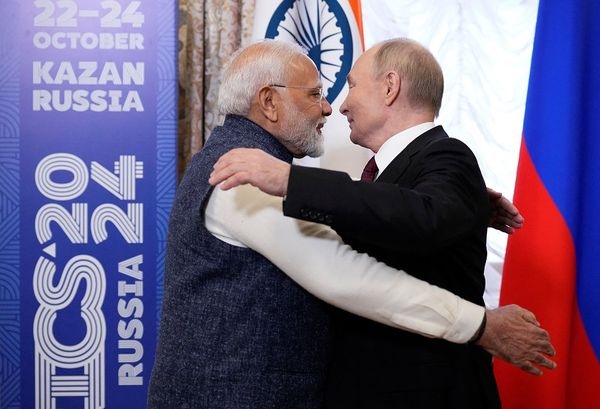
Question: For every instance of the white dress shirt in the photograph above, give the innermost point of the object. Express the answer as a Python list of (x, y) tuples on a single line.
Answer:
[(397, 143), (315, 257)]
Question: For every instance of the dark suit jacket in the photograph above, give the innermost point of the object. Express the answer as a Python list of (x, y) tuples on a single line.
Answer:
[(426, 213)]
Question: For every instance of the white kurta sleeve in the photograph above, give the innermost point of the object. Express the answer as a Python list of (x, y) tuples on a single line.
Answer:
[(315, 257)]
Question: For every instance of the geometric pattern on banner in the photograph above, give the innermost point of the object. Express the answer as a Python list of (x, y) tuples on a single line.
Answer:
[(10, 324), (166, 127), (88, 127)]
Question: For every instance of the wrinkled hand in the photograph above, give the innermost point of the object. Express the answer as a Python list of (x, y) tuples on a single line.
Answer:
[(513, 334), (504, 215), (242, 166)]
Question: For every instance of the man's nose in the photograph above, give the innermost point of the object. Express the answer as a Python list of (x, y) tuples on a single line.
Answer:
[(326, 107), (343, 108)]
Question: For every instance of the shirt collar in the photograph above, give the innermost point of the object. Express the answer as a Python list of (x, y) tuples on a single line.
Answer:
[(397, 143)]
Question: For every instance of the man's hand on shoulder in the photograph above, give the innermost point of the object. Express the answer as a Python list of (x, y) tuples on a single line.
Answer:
[(242, 166), (513, 334)]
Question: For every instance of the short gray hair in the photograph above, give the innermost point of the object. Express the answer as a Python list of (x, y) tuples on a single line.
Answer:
[(250, 68), (417, 65)]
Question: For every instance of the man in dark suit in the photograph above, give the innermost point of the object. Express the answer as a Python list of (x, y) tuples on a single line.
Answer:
[(427, 213), (435, 219)]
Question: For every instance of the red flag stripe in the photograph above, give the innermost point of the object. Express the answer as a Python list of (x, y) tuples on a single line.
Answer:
[(543, 248)]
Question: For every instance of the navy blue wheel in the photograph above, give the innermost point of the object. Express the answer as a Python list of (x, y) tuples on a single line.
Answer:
[(322, 28)]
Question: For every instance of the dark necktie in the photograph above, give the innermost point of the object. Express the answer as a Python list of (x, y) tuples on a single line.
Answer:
[(370, 171)]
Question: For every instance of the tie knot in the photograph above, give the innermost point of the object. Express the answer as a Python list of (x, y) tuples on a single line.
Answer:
[(370, 171)]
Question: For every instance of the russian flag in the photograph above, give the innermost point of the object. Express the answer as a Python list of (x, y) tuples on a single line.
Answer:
[(552, 266)]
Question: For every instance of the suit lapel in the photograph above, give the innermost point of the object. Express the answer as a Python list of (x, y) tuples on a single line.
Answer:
[(403, 160)]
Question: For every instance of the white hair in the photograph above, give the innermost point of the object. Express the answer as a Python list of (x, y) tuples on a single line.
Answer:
[(259, 64)]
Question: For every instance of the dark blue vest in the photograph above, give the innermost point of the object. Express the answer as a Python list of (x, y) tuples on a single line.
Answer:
[(235, 331)]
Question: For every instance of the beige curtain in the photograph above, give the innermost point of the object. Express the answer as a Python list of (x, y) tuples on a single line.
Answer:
[(209, 32)]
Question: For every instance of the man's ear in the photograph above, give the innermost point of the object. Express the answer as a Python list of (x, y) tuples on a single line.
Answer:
[(268, 102), (393, 84)]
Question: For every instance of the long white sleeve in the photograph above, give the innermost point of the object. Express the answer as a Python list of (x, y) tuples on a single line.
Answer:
[(316, 258)]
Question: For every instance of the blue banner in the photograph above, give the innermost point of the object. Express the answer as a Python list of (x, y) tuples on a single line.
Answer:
[(88, 160)]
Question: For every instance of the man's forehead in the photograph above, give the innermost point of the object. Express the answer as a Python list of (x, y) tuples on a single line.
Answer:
[(307, 71), (354, 72), (361, 66)]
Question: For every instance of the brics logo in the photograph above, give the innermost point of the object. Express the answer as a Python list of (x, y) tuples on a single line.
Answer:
[(322, 28)]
